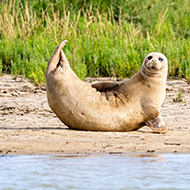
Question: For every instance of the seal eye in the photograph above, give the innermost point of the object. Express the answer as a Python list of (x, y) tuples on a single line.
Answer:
[(149, 57), (160, 59)]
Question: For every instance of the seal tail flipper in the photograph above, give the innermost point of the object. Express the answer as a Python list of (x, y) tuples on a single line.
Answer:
[(157, 125), (63, 60), (58, 58)]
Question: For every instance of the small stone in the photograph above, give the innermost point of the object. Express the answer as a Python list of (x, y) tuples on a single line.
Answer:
[(150, 151)]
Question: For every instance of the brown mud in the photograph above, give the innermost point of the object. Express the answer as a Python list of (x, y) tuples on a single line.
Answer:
[(28, 126)]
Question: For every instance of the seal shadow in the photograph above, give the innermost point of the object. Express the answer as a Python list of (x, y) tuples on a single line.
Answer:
[(68, 129), (33, 128)]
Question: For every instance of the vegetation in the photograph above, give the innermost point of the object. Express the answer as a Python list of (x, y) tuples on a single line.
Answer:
[(105, 38), (179, 97)]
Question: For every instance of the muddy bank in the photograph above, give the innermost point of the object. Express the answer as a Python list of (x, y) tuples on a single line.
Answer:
[(28, 126)]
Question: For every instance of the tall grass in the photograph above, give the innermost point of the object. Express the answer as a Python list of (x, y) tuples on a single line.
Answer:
[(109, 40)]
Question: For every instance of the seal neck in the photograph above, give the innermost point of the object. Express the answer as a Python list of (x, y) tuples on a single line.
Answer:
[(157, 77)]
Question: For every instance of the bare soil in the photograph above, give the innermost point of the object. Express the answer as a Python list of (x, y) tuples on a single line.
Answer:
[(28, 126)]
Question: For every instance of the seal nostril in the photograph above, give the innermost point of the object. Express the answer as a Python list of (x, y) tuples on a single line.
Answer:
[(153, 61)]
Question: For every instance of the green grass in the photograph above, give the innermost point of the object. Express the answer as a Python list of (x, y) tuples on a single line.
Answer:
[(106, 38)]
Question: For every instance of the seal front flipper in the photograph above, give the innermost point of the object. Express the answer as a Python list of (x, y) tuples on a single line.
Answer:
[(157, 125), (105, 86)]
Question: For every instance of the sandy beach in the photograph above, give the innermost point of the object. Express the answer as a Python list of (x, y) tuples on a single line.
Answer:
[(28, 126)]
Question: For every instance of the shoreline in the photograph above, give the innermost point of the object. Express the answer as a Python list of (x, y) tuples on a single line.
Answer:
[(29, 127)]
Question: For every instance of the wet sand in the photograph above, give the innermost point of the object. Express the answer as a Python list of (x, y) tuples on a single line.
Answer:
[(28, 126)]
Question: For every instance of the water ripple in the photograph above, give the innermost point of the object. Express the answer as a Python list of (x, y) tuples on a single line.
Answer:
[(122, 172)]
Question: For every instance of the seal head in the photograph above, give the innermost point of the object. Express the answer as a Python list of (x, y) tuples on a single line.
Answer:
[(155, 65)]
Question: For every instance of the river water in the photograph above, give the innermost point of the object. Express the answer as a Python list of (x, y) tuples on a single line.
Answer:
[(117, 172)]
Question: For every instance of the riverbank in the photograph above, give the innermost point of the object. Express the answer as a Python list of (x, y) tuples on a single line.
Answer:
[(28, 126)]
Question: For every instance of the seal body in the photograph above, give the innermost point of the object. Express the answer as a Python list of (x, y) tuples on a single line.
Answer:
[(107, 106)]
